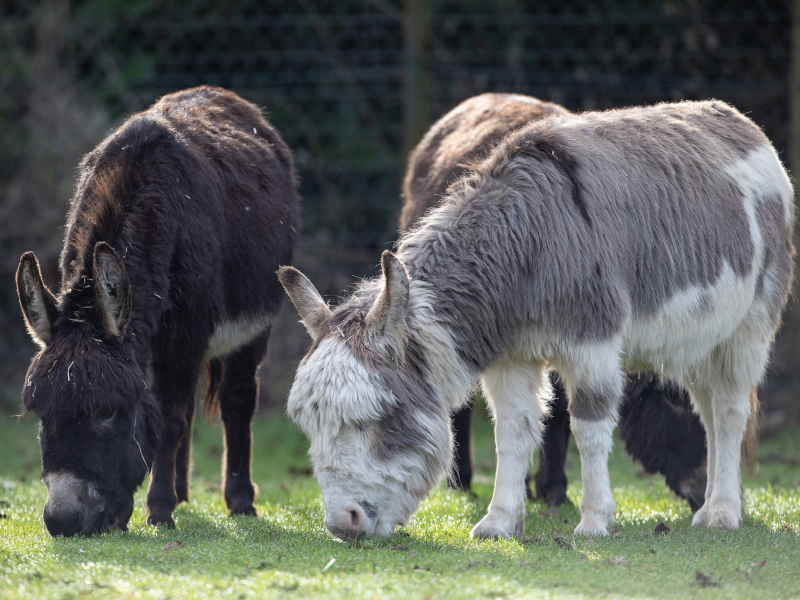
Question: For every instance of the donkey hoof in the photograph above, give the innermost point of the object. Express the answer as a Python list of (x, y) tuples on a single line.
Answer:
[(592, 525), (723, 515), (167, 522), (246, 511), (498, 527)]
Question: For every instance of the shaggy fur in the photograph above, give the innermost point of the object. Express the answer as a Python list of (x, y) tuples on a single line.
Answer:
[(642, 249), (178, 223), (464, 135)]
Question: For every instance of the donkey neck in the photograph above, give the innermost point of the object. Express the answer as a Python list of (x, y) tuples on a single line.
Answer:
[(452, 376)]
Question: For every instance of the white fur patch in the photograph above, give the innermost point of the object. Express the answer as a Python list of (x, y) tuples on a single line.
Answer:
[(331, 389), (761, 175), (230, 335)]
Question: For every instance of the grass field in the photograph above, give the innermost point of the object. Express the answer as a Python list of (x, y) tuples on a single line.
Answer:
[(286, 552)]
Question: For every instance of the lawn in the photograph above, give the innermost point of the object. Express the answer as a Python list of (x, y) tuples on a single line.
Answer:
[(286, 552)]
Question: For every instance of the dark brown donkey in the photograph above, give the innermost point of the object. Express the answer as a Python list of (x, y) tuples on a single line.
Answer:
[(179, 221), (465, 134)]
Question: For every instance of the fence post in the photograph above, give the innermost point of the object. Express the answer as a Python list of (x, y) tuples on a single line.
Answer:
[(416, 24)]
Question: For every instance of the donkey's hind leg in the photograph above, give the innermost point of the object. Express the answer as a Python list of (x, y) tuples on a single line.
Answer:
[(183, 460), (724, 414), (551, 477), (727, 380), (701, 399), (238, 395)]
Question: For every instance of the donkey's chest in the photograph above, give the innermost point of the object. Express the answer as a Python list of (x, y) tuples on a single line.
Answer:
[(232, 334)]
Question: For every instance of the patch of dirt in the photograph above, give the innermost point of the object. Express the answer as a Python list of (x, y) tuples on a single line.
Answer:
[(704, 580)]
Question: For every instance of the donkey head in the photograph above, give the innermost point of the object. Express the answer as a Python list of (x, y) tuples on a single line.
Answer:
[(98, 423), (379, 440)]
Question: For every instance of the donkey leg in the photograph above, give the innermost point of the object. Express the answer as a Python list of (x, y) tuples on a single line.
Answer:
[(238, 396), (175, 390), (517, 393), (730, 375), (183, 460), (701, 400), (724, 504), (462, 432), (594, 386), (551, 479)]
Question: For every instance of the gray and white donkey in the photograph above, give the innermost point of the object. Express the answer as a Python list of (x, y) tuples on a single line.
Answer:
[(594, 244)]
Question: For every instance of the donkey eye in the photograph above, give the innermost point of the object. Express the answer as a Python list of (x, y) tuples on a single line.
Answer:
[(104, 414)]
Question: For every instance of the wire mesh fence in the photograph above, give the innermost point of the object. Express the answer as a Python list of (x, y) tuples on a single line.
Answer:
[(333, 76)]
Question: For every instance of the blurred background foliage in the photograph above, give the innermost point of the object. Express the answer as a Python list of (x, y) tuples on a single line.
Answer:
[(352, 85)]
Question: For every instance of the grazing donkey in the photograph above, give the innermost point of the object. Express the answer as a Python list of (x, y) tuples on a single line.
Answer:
[(178, 223), (466, 134), (593, 244), (659, 429)]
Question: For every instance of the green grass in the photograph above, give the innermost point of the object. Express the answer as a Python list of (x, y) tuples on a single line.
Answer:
[(283, 553)]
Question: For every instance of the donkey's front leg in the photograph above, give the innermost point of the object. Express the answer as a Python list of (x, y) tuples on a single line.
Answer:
[(517, 392), (238, 397), (175, 391), (594, 387)]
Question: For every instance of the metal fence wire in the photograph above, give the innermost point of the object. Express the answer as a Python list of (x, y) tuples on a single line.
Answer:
[(333, 76)]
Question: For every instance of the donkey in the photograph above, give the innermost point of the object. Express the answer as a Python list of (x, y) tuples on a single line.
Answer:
[(592, 244), (179, 220), (462, 136)]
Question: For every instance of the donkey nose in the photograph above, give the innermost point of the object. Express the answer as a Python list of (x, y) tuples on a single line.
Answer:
[(67, 522), (349, 523)]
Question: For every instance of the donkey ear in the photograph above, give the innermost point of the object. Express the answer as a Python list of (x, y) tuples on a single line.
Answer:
[(309, 304), (386, 320), (112, 289), (37, 302)]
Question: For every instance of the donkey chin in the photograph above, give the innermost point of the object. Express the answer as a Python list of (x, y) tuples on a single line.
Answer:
[(77, 507)]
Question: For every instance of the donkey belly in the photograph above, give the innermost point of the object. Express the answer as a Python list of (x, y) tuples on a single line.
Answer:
[(231, 334), (689, 325)]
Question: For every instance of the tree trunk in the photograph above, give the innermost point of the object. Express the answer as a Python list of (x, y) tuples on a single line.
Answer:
[(416, 27)]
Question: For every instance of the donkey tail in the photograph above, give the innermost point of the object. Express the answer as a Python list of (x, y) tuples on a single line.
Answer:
[(750, 442), (215, 369)]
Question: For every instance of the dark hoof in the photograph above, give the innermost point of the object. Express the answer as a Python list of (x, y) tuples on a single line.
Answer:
[(556, 498), (245, 511), (167, 522)]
